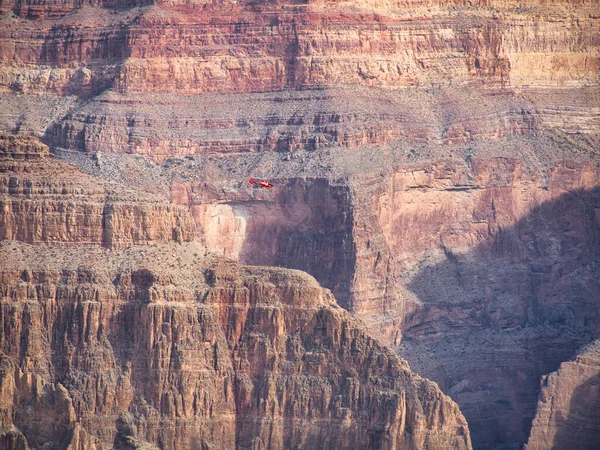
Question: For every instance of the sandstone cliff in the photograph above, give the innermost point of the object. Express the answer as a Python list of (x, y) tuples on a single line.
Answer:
[(137, 67), (109, 344), (567, 413), (176, 46), (47, 202), (483, 269), (170, 346), (435, 163)]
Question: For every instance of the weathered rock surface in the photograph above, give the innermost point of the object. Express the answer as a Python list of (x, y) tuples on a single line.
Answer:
[(567, 412), (338, 64), (489, 322), (169, 346), (47, 202), (481, 265), (435, 163), (166, 125), (261, 46), (488, 273)]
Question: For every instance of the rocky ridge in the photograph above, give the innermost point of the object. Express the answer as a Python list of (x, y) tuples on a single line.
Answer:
[(175, 347)]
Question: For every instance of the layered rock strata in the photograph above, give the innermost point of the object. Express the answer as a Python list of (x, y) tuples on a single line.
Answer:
[(263, 46), (139, 64), (460, 257), (170, 346), (462, 261), (428, 147), (46, 202), (165, 125)]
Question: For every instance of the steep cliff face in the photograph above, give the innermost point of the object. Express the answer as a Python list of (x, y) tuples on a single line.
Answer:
[(262, 46), (435, 163), (303, 224), (489, 321), (567, 413), (146, 52), (480, 268), (170, 346), (435, 212), (46, 202)]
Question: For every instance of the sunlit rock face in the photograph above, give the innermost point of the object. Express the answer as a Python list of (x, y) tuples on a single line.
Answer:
[(197, 47), (483, 273), (435, 165), (170, 347), (152, 69), (46, 202)]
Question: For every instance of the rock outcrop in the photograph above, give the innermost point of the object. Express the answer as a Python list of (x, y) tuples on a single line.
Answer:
[(112, 344), (567, 412), (47, 202), (169, 346)]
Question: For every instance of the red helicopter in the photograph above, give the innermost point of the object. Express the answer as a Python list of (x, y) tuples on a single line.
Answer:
[(262, 183)]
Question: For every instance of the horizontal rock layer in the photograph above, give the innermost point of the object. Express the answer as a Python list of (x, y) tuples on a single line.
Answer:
[(257, 47), (163, 126), (47, 202), (166, 126)]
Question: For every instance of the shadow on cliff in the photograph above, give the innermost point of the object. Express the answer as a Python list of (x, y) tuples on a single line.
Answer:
[(492, 321), (310, 229), (580, 430)]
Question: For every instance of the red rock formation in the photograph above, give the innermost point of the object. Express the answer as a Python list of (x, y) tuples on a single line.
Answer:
[(250, 47), (464, 258), (567, 413), (170, 346), (47, 202), (436, 129)]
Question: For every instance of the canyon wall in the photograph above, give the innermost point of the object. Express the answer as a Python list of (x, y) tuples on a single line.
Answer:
[(139, 65), (172, 347), (113, 344), (304, 224), (487, 321), (262, 46), (482, 271), (567, 413), (435, 165)]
